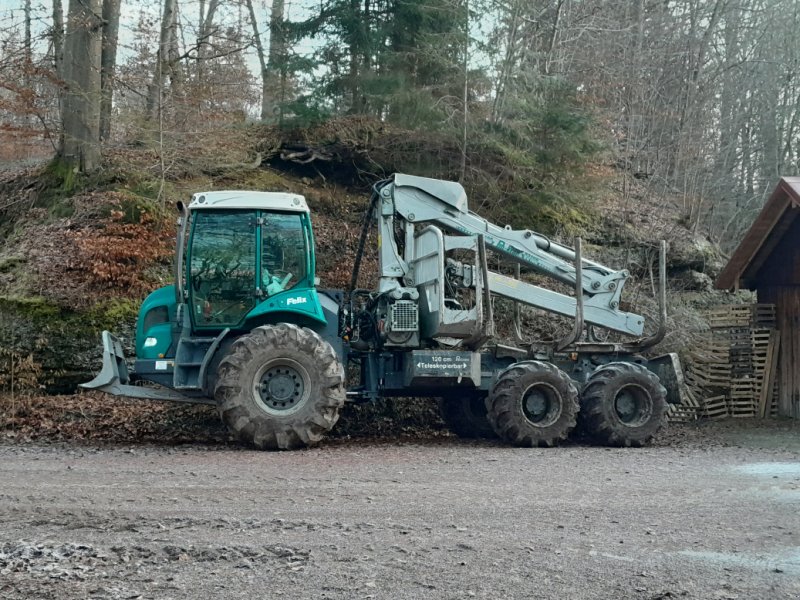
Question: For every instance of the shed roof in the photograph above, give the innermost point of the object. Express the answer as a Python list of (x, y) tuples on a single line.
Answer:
[(764, 234)]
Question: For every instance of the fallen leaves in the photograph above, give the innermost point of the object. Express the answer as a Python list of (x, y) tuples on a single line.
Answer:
[(98, 417)]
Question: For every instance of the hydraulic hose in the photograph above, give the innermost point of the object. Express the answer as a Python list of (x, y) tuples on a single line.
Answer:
[(373, 201)]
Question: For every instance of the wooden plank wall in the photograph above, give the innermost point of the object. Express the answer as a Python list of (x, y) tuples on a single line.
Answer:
[(787, 312)]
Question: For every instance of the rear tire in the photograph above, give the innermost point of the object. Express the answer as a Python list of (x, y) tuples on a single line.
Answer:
[(465, 415), (280, 387), (533, 403), (623, 404)]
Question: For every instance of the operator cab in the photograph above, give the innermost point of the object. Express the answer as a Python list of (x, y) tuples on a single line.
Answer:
[(242, 248)]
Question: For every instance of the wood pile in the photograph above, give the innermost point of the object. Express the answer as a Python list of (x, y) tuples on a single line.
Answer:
[(733, 372)]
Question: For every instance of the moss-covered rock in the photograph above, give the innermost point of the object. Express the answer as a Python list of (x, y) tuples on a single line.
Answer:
[(695, 254), (65, 343)]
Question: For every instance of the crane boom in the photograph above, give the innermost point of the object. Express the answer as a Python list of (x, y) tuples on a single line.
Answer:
[(418, 204)]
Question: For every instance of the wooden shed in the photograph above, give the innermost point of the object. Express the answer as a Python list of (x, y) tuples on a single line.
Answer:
[(768, 261)]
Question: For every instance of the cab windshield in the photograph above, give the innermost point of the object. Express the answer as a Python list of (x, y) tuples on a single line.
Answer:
[(238, 258)]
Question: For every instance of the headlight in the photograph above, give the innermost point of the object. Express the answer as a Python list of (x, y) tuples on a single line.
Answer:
[(150, 342)]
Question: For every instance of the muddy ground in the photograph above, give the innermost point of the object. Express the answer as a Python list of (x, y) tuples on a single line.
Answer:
[(713, 512)]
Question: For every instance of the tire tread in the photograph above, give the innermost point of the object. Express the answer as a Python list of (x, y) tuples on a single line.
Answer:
[(596, 418), (504, 411), (263, 431)]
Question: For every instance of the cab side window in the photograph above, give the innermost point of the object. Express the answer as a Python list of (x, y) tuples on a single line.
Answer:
[(284, 255)]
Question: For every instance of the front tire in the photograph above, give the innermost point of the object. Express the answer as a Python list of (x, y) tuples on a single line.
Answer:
[(280, 387), (623, 404), (533, 403)]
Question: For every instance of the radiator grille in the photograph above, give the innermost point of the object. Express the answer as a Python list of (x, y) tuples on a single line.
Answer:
[(403, 316)]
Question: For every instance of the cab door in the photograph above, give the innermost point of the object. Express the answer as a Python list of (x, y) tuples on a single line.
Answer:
[(222, 267)]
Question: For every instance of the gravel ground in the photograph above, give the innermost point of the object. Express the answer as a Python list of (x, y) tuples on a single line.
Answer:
[(713, 514)]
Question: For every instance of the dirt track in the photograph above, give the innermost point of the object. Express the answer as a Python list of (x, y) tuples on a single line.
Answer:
[(434, 518)]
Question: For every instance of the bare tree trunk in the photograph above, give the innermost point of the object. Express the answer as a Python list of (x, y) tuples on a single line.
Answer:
[(553, 37), (201, 18), (155, 90), (174, 56), (58, 38), (747, 160), (277, 42), (262, 59), (273, 64), (81, 115), (767, 99), (273, 91), (726, 152), (28, 56), (692, 105), (28, 49), (792, 94), (205, 33), (353, 77), (366, 55), (108, 61), (207, 25), (509, 62), (466, 92)]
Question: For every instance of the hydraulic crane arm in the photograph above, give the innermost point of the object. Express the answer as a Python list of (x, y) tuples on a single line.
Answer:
[(415, 202)]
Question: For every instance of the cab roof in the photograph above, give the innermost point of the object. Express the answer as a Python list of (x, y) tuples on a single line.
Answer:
[(242, 199)]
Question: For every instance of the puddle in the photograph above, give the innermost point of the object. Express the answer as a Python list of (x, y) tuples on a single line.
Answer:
[(780, 481), (787, 561), (770, 468), (774, 439)]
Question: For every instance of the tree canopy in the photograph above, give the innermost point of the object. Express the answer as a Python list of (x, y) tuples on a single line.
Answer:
[(696, 99)]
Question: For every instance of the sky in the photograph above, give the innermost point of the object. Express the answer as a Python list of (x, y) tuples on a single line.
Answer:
[(12, 19)]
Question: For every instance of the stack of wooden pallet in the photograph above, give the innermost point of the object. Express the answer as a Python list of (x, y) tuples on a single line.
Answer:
[(685, 412), (733, 372)]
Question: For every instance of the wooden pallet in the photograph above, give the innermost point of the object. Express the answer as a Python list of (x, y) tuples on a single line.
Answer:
[(741, 363), (742, 402), (769, 380), (715, 407), (690, 399), (731, 372), (759, 342), (711, 354), (764, 315), (729, 315), (678, 413), (737, 339), (709, 375), (741, 315), (773, 402)]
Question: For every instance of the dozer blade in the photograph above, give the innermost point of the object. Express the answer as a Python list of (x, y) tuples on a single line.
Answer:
[(114, 371), (113, 378)]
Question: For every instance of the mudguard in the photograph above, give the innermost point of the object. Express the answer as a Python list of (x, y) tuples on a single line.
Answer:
[(669, 371)]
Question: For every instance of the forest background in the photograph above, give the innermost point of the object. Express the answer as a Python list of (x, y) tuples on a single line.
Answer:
[(622, 121)]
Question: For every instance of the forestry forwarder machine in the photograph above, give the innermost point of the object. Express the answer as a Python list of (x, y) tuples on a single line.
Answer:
[(245, 328)]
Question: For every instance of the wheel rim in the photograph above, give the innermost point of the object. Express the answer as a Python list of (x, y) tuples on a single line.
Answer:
[(281, 386), (633, 405), (541, 404)]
